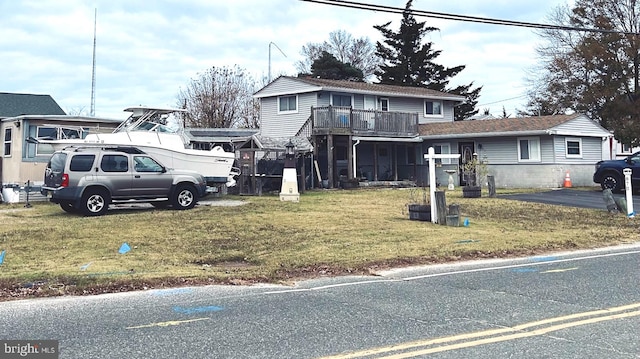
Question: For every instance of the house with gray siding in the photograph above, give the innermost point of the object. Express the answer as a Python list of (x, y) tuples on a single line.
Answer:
[(358, 129), (378, 132), (524, 151)]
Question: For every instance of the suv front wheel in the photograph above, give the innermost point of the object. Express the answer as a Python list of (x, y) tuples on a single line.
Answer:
[(185, 197), (95, 202)]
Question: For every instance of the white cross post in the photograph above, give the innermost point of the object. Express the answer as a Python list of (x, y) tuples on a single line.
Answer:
[(431, 156)]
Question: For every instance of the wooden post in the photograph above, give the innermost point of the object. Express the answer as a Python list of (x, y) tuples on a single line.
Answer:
[(330, 160), (491, 183), (431, 156), (441, 204)]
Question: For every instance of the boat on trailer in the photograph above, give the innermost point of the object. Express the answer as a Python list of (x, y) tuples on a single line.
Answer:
[(150, 129)]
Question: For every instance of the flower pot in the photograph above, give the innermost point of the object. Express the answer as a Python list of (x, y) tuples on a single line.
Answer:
[(471, 191), (420, 212)]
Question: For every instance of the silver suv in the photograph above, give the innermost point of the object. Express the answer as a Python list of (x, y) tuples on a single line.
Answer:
[(87, 180)]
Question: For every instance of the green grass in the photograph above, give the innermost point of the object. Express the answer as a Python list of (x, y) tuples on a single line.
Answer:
[(266, 240)]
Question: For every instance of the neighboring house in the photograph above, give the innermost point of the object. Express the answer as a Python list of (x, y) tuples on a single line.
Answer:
[(525, 151), (358, 129), (23, 116)]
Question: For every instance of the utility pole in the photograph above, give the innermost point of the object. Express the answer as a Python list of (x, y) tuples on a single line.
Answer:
[(93, 68)]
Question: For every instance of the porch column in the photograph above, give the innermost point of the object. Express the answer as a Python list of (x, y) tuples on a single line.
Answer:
[(375, 161), (330, 160), (350, 169)]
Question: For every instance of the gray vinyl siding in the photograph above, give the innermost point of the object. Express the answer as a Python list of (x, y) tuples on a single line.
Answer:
[(284, 125), (285, 85), (591, 149), (581, 126)]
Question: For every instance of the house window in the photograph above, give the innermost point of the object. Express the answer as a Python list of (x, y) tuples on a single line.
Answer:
[(7, 142), (626, 148), (529, 149), (384, 104), (433, 108), (573, 147), (341, 100), (287, 104), (442, 148)]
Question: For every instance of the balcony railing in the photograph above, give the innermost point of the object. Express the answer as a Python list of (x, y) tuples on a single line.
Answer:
[(337, 119)]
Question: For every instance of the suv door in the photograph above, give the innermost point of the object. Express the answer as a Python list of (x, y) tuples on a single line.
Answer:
[(150, 179), (115, 174), (54, 170)]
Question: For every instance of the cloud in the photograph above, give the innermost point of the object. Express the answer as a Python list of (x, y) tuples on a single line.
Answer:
[(146, 53)]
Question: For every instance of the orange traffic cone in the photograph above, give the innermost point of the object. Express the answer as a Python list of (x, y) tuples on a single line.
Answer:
[(567, 180)]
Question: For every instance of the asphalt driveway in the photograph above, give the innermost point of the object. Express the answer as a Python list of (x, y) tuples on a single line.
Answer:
[(569, 197)]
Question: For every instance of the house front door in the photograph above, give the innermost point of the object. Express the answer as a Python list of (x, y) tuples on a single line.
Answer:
[(466, 150), (385, 164)]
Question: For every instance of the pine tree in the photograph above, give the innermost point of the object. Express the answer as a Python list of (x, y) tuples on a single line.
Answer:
[(407, 61), (328, 67)]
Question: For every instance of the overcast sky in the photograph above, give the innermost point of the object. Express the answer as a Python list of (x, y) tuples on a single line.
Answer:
[(147, 50)]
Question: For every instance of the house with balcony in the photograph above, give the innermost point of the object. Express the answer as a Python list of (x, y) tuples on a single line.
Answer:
[(379, 132), (358, 130)]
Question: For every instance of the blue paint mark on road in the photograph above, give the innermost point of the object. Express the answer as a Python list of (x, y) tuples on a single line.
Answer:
[(524, 270), (544, 259), (193, 310), (167, 292)]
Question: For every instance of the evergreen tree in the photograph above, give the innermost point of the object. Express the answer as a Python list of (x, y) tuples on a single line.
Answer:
[(328, 67), (407, 61)]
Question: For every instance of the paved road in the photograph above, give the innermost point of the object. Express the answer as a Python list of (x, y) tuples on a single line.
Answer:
[(567, 305), (569, 197)]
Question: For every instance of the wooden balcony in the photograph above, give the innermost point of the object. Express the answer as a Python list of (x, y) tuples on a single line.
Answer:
[(347, 121)]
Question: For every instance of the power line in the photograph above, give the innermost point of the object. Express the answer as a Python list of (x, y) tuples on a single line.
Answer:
[(465, 18)]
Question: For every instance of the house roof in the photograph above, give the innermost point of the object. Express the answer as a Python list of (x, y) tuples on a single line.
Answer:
[(17, 104), (365, 88), (504, 126)]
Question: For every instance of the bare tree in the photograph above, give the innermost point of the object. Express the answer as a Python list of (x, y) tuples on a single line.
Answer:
[(221, 97), (359, 53), (596, 73)]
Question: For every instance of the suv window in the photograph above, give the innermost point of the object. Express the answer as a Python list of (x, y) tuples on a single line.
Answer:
[(114, 163), (79, 163), (146, 164), (57, 161)]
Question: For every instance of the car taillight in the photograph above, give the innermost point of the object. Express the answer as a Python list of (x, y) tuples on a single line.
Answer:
[(65, 180)]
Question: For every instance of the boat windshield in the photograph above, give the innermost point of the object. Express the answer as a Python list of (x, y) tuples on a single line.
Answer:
[(152, 126)]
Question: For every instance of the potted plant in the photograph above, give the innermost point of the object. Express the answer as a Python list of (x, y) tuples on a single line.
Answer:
[(473, 171), (418, 206)]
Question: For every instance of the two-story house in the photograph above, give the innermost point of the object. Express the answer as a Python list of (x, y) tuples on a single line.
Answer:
[(381, 133), (359, 130)]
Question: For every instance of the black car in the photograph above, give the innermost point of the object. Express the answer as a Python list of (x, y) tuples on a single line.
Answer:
[(609, 173)]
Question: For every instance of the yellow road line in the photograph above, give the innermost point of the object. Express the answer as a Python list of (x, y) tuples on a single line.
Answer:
[(166, 324), (534, 333), (486, 333)]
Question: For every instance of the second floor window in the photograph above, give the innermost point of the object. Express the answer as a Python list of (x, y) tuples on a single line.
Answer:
[(288, 104), (341, 100), (433, 108)]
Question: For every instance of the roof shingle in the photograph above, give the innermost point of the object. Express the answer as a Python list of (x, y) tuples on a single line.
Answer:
[(17, 104), (500, 125)]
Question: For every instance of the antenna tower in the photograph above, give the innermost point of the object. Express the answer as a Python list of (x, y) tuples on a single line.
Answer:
[(93, 68)]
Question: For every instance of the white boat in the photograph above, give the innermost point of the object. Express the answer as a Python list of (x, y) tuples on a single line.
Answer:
[(149, 130)]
